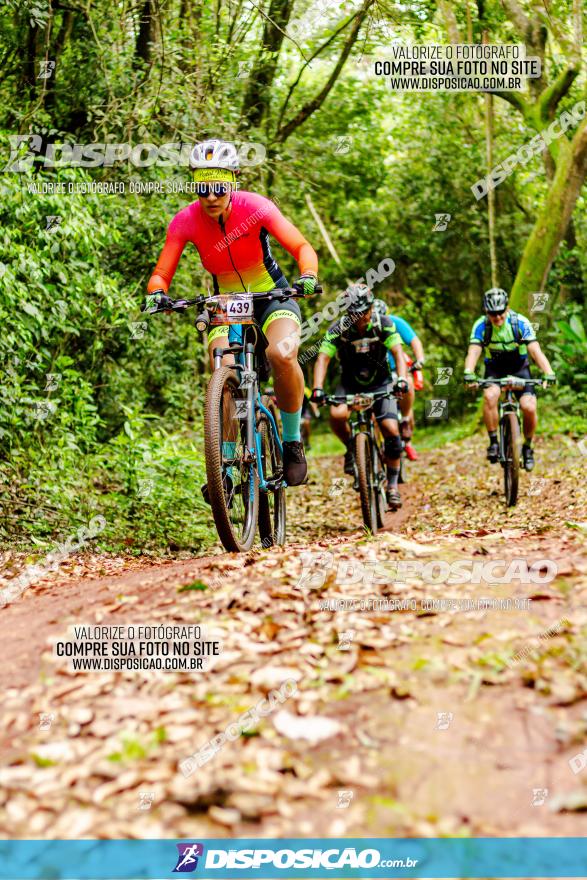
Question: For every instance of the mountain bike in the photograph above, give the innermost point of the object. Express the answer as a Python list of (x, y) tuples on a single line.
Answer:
[(510, 434), (370, 478), (242, 440)]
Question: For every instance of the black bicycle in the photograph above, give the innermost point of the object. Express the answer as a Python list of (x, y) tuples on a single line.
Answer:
[(370, 478), (242, 439), (510, 434)]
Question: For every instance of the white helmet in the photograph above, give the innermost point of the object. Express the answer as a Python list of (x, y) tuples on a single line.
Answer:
[(210, 157), (495, 300)]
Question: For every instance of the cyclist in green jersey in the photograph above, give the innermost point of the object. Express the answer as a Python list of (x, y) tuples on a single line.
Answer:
[(362, 347), (510, 338)]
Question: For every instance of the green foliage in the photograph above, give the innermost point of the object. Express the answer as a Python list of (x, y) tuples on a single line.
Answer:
[(196, 585), (571, 351), (132, 749), (93, 395)]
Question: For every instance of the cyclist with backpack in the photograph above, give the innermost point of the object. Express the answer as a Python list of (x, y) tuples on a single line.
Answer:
[(509, 338), (362, 346), (409, 337)]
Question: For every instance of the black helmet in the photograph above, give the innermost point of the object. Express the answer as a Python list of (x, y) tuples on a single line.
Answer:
[(495, 300), (360, 298)]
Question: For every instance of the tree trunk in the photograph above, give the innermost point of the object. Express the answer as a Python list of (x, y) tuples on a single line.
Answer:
[(314, 104), (552, 220), (57, 48), (30, 62), (147, 32), (257, 95)]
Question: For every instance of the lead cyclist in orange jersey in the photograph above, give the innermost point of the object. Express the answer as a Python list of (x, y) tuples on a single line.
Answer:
[(230, 230)]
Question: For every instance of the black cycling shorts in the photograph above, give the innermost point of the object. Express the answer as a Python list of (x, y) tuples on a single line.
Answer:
[(385, 408), (493, 371)]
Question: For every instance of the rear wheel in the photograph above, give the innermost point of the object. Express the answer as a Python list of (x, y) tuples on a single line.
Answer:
[(272, 509), (364, 459), (511, 447), (233, 483)]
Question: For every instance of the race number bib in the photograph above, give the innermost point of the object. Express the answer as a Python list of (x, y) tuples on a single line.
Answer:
[(240, 307), (362, 346)]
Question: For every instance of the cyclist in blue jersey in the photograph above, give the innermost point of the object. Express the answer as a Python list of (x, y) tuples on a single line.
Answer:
[(509, 338), (408, 337)]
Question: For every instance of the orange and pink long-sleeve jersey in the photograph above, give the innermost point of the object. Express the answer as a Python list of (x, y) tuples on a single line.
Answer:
[(238, 256)]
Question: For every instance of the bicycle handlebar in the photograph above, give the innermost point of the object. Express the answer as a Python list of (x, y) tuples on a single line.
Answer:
[(278, 293), (349, 399), (515, 382)]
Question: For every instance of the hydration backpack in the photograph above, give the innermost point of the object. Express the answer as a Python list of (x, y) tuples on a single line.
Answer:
[(515, 324)]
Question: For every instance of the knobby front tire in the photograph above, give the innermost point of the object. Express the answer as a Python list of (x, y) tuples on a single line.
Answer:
[(235, 512), (364, 459), (511, 446)]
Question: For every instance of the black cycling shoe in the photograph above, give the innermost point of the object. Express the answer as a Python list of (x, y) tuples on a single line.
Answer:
[(295, 466), (493, 452), (528, 457), (394, 499), (228, 485), (349, 462)]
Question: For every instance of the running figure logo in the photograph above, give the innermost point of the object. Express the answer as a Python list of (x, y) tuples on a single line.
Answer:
[(539, 302), (442, 221), (187, 860)]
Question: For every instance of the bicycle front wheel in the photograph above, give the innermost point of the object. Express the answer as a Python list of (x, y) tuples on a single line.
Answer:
[(233, 482), (380, 478), (511, 448), (364, 459), (272, 512)]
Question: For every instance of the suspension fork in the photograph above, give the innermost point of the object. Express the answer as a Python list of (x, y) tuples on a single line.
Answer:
[(251, 397), (217, 358), (509, 405)]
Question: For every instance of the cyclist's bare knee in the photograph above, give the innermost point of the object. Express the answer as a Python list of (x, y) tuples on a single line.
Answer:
[(282, 359), (528, 403), (491, 394)]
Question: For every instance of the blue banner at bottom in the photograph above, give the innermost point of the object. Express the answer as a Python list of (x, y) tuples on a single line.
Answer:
[(529, 857)]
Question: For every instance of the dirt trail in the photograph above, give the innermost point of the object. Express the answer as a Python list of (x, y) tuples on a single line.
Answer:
[(432, 731)]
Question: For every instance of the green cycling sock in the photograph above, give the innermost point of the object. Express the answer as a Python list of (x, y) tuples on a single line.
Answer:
[(291, 425)]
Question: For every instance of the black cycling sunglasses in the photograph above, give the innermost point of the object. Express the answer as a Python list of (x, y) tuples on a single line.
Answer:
[(497, 314), (217, 189)]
